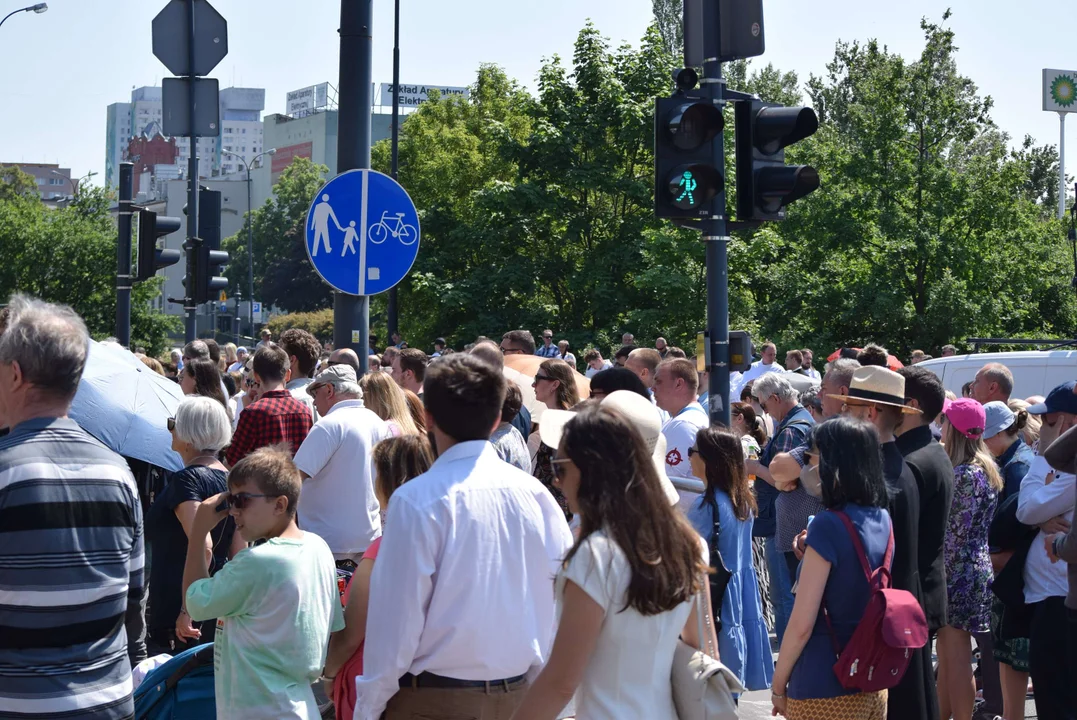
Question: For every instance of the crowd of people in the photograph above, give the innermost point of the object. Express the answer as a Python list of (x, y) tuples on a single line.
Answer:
[(446, 536)]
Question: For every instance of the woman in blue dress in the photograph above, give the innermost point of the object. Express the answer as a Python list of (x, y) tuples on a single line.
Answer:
[(743, 644)]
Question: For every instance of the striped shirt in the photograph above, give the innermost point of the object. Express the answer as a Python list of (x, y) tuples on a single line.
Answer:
[(71, 560)]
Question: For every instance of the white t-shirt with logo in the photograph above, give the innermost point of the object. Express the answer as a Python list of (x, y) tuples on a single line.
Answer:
[(337, 501)]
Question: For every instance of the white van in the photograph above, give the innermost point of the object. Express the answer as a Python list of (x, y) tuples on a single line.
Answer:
[(1035, 372)]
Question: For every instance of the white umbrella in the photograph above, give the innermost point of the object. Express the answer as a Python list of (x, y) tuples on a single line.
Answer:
[(126, 405)]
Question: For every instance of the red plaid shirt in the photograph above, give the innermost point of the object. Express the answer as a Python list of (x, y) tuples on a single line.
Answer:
[(276, 417)]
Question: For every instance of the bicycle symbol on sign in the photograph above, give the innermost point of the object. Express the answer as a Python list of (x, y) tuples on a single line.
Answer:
[(380, 231)]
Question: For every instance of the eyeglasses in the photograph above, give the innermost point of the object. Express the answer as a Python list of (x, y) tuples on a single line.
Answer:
[(511, 351), (250, 382), (559, 466), (544, 377), (547, 337), (171, 422), (693, 451), (313, 388), (240, 500)]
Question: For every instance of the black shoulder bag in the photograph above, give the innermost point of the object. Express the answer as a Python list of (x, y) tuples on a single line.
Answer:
[(718, 573)]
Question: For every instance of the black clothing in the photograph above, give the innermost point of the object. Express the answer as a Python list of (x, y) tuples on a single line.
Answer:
[(168, 541), (934, 476), (1050, 660), (915, 696)]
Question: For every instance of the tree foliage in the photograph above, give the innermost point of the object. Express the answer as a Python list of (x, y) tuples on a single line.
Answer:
[(68, 255), (318, 323)]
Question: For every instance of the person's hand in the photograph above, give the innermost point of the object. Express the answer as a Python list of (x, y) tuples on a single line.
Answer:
[(185, 629), (1055, 525), (799, 544), (778, 703), (1049, 546), (789, 486), (1050, 477), (207, 516)]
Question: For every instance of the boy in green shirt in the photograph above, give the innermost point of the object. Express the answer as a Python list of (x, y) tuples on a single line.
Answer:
[(275, 603)]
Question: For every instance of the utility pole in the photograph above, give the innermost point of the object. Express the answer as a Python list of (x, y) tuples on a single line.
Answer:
[(393, 309), (355, 101), (191, 246), (123, 256)]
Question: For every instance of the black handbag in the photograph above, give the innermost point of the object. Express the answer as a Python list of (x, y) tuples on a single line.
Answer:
[(719, 574)]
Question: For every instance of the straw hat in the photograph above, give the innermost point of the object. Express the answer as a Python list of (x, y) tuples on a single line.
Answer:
[(878, 386)]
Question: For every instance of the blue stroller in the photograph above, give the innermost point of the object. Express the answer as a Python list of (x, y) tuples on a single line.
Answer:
[(181, 689)]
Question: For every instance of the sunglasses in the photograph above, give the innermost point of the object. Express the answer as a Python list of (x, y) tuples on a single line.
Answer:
[(693, 451), (240, 500), (511, 351), (559, 467), (251, 383), (171, 422), (544, 377)]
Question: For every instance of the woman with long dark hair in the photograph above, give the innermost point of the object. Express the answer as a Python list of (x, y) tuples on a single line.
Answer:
[(749, 428), (724, 514), (849, 460), (555, 387), (634, 572), (201, 377)]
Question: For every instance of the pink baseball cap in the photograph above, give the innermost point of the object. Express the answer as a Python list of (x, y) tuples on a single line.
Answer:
[(967, 416)]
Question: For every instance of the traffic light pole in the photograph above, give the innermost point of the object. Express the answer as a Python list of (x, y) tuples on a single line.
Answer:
[(354, 105), (716, 237), (191, 246), (123, 256)]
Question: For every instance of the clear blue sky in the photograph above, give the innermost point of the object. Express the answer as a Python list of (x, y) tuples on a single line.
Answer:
[(61, 69)]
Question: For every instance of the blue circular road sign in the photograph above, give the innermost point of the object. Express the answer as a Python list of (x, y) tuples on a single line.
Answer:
[(362, 232)]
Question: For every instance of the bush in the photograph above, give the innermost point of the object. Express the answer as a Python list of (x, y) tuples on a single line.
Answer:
[(318, 323)]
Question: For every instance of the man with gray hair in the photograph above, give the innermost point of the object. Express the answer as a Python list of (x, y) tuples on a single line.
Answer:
[(195, 350), (994, 382), (71, 544), (781, 514), (337, 464)]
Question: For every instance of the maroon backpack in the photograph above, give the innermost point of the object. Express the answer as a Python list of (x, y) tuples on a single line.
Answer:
[(892, 629)]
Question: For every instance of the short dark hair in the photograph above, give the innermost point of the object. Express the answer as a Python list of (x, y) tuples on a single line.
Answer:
[(624, 352), (926, 389), (303, 346), (415, 360), (270, 363), (440, 342), (514, 400), (675, 352), (524, 338), (591, 354), (464, 396), (873, 354), (214, 350), (271, 470), (683, 369), (849, 353), (850, 463), (618, 378)]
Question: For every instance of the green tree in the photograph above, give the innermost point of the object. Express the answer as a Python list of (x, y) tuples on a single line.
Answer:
[(668, 16), (68, 256), (283, 275)]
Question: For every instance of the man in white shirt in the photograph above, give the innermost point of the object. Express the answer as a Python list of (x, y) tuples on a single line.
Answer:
[(595, 363), (758, 369), (241, 360), (461, 607), (807, 366), (675, 386), (1047, 501), (337, 463), (303, 353)]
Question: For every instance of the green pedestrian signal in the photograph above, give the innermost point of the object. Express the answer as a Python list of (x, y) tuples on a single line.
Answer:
[(688, 183), (687, 179)]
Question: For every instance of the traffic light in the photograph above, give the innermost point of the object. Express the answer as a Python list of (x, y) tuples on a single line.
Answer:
[(740, 351), (151, 258), (686, 177), (209, 258), (765, 184)]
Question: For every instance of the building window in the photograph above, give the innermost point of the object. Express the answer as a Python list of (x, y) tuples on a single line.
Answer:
[(244, 131)]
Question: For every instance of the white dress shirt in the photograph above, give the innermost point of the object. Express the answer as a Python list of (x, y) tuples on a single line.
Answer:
[(1037, 504), (757, 370), (463, 586)]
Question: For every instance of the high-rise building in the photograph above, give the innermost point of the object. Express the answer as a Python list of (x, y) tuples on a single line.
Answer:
[(241, 132)]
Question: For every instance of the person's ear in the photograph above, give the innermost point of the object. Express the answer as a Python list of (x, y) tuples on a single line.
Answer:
[(280, 506)]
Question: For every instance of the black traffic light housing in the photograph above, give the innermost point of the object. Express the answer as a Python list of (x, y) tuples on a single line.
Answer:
[(209, 258), (765, 184), (686, 177), (740, 351), (151, 258)]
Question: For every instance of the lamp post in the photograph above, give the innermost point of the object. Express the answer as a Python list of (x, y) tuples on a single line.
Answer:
[(250, 232), (39, 8), (75, 184)]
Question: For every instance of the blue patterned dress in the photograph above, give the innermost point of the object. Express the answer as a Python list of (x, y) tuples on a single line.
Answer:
[(968, 562)]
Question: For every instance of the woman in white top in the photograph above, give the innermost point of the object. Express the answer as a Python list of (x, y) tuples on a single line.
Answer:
[(626, 589)]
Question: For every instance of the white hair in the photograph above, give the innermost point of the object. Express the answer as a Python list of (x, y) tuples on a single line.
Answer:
[(203, 423), (774, 384)]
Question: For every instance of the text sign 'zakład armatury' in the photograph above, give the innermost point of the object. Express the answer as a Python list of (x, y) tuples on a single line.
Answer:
[(362, 232)]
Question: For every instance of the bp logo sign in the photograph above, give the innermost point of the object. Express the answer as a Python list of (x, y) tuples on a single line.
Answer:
[(1060, 91)]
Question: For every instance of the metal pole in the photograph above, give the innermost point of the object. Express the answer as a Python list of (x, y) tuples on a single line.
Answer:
[(123, 256), (1061, 165), (191, 325), (355, 101), (716, 236), (250, 259), (393, 309)]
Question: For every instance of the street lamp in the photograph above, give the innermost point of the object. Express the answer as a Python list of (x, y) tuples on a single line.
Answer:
[(75, 184), (39, 8), (250, 232)]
